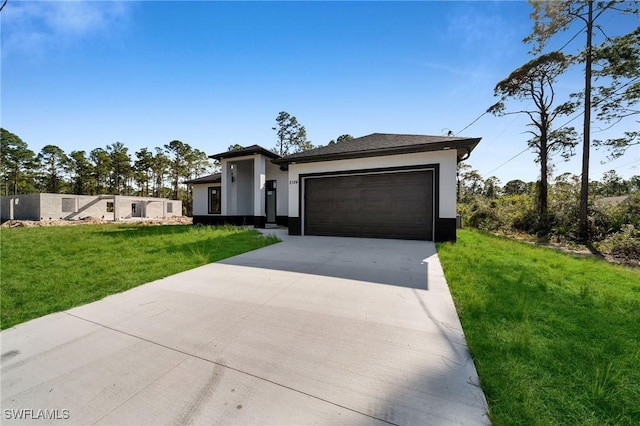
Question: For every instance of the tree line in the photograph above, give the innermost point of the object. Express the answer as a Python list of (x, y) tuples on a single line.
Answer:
[(511, 208), (160, 172), (610, 93)]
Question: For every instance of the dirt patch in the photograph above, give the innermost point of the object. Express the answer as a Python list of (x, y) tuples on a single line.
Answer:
[(175, 220)]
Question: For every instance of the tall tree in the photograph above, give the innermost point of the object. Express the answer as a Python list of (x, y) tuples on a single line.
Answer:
[(177, 152), (470, 183), (101, 168), (55, 164), (160, 168), (613, 184), (515, 187), (534, 82), (17, 164), (82, 173), (492, 187), (144, 170), (341, 138), (620, 61), (552, 17), (292, 137), (196, 164), (120, 168)]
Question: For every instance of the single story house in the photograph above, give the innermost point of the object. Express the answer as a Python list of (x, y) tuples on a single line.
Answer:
[(375, 186), (45, 206)]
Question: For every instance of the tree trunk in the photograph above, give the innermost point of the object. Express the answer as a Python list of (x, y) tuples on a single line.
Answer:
[(583, 226), (543, 203)]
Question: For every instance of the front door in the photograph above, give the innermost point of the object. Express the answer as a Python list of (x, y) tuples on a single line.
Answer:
[(271, 200)]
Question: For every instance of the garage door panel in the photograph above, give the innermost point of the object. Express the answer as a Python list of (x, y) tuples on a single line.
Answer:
[(388, 205)]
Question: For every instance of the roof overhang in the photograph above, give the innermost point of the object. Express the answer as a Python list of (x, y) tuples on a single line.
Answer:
[(463, 149), (243, 152)]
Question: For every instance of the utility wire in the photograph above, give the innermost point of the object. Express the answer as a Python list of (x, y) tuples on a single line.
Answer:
[(472, 123), (633, 163), (512, 158)]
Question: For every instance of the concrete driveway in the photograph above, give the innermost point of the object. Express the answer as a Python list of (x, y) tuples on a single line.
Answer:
[(313, 330)]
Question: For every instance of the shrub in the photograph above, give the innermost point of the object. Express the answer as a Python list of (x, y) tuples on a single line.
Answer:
[(608, 219), (482, 215), (624, 243)]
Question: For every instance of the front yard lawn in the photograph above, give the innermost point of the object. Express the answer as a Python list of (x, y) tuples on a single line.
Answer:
[(555, 337), (49, 269)]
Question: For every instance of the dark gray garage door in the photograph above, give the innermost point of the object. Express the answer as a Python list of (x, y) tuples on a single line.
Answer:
[(388, 205)]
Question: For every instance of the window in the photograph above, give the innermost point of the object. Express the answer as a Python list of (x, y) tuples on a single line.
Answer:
[(69, 205), (133, 209), (169, 207), (214, 200), (109, 206)]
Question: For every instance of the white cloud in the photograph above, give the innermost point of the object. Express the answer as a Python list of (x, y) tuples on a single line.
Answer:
[(33, 27)]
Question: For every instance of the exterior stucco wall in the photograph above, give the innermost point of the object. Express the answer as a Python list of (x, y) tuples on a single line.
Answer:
[(244, 187), (447, 180), (201, 198), (282, 188)]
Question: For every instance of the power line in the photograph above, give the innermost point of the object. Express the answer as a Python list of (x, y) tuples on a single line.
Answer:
[(472, 123), (633, 163), (512, 158)]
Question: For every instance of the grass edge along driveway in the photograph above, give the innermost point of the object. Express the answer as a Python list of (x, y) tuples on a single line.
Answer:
[(50, 269), (555, 337)]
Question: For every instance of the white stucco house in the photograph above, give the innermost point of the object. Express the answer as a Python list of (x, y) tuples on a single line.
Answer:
[(375, 186)]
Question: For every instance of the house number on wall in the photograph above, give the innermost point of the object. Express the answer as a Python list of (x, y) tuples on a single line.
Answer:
[(293, 182)]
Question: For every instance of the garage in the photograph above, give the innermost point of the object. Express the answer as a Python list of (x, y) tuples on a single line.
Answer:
[(375, 205)]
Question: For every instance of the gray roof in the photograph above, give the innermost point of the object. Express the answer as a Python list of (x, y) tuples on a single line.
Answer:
[(214, 178), (378, 144), (612, 201), (249, 150)]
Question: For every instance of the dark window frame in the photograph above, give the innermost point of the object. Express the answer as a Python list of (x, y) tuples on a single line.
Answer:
[(210, 199)]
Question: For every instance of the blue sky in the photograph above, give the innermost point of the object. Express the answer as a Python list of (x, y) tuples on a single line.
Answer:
[(82, 75)]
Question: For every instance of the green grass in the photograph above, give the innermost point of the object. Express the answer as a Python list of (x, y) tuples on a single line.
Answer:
[(555, 337), (49, 269)]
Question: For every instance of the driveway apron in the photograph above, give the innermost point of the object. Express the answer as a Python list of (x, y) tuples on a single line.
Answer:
[(312, 330)]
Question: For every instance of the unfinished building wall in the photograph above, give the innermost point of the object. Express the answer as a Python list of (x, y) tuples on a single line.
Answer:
[(24, 206)]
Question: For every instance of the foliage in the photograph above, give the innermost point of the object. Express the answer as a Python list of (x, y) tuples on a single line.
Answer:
[(82, 181), (49, 269), (470, 183), (614, 63), (342, 138), (120, 173), (534, 81), (609, 218), (17, 165), (109, 170), (624, 244), (552, 344), (292, 137), (515, 187), (511, 210)]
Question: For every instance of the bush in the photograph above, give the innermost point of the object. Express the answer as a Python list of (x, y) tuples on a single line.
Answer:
[(608, 219), (483, 216), (516, 213), (624, 244)]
